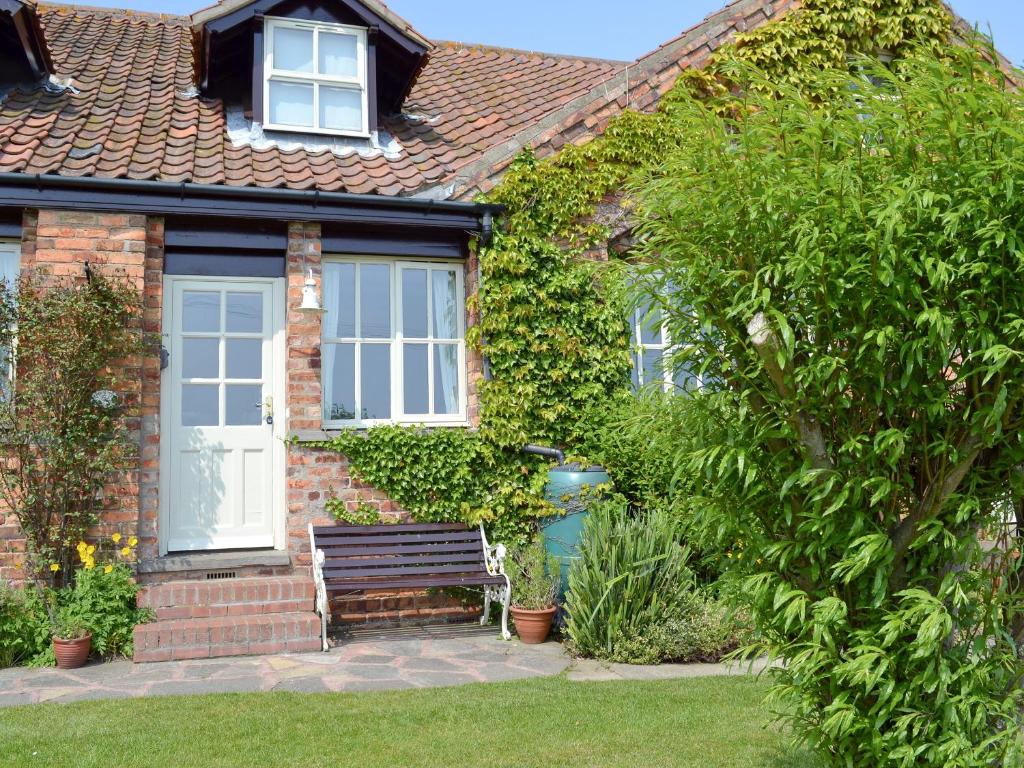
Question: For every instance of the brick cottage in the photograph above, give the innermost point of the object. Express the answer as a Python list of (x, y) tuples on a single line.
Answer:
[(235, 165)]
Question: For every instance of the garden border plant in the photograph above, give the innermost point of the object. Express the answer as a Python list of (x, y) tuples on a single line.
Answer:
[(66, 439)]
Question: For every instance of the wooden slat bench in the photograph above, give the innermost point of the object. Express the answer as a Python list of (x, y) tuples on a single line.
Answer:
[(354, 558)]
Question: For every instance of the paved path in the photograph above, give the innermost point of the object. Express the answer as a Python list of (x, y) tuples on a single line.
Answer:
[(364, 664)]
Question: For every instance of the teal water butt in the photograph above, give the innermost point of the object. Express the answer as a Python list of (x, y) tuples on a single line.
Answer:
[(561, 533)]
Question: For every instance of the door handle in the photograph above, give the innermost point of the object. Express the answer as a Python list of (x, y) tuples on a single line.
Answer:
[(268, 406)]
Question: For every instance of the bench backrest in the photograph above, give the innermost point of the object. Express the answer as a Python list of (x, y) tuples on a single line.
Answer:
[(401, 550)]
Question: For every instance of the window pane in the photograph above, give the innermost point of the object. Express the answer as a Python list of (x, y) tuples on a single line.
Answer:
[(201, 311), (199, 405), (244, 358), (200, 358), (414, 303), (415, 379), (9, 267), (244, 312), (340, 300), (341, 109), (653, 370), (339, 381), (446, 378), (686, 380), (339, 55), (446, 304), (293, 49), (291, 104), (375, 301), (375, 381), (650, 325), (243, 404)]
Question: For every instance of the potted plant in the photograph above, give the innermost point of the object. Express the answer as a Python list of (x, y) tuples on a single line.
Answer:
[(535, 583), (72, 640)]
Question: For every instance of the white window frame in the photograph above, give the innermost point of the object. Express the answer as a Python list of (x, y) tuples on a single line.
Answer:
[(397, 342), (665, 346), (313, 78), (12, 248)]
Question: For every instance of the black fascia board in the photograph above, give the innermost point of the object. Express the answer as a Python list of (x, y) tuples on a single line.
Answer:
[(217, 200)]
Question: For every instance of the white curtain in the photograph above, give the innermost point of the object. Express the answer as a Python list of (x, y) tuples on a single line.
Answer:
[(446, 327), (331, 284)]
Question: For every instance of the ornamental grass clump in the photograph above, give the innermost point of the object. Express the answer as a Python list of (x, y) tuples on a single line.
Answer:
[(850, 274), (629, 577)]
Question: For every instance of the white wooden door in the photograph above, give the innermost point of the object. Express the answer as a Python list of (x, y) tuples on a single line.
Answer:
[(223, 466)]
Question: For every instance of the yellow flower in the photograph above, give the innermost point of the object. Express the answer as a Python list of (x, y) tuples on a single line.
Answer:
[(54, 567), (90, 564), (82, 546), (91, 549), (132, 541), (125, 551), (17, 566), (116, 538), (108, 568)]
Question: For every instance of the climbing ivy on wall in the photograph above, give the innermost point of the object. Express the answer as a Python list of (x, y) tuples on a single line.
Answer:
[(553, 325)]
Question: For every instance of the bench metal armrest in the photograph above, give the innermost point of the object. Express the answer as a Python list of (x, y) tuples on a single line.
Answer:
[(494, 556), (321, 588)]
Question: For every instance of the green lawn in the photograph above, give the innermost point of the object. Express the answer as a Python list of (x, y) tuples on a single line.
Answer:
[(704, 723)]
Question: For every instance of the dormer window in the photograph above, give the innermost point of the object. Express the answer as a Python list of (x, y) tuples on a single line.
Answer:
[(315, 77)]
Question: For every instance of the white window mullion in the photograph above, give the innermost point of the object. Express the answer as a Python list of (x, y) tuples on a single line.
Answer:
[(357, 386), (430, 344), (397, 346)]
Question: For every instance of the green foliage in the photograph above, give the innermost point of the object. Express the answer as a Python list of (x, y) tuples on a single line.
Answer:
[(63, 446), (362, 514), (702, 629), (24, 625), (103, 602), (820, 36), (535, 576), (553, 324), (630, 575), (445, 475), (853, 277)]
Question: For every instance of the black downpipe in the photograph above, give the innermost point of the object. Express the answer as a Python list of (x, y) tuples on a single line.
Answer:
[(541, 450)]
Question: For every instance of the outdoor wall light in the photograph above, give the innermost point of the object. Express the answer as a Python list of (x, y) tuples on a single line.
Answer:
[(310, 300)]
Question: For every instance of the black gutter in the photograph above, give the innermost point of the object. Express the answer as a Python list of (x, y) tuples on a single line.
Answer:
[(220, 200)]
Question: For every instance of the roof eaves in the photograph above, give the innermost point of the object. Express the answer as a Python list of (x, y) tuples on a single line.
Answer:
[(403, 27)]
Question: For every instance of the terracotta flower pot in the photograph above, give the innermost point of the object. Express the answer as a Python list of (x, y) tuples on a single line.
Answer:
[(533, 626), (71, 654)]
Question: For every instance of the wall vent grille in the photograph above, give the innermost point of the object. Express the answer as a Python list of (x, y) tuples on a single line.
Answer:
[(217, 575)]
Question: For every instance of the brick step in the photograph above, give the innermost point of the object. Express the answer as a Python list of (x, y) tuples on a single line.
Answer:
[(214, 636), (228, 597)]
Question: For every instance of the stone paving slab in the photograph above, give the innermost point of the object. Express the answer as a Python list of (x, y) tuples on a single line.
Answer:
[(358, 665)]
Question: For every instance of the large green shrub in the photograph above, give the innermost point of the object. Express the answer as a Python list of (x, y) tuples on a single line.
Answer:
[(859, 260), (65, 433)]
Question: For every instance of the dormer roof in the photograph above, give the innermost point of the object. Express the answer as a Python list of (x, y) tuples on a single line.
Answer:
[(24, 56)]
